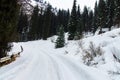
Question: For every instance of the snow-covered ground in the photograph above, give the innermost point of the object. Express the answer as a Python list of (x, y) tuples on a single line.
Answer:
[(41, 61)]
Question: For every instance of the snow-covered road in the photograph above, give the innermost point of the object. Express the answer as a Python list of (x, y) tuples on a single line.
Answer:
[(40, 62)]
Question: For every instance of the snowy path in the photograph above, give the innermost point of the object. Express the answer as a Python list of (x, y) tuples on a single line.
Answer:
[(42, 63)]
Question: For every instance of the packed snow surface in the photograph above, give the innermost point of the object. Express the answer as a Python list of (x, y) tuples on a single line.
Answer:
[(41, 61)]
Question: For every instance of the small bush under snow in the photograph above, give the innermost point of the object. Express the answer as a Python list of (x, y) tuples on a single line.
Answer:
[(93, 55)]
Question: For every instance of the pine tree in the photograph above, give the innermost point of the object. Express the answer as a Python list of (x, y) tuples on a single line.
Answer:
[(85, 19), (66, 20), (117, 12), (40, 25), (90, 23), (8, 22), (111, 11), (23, 26), (73, 22), (60, 42), (79, 28), (95, 18), (34, 24), (47, 22), (63, 18), (52, 25), (102, 15)]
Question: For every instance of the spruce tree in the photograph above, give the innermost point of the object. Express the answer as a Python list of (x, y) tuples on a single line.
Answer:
[(117, 12), (73, 22), (40, 25), (34, 24), (8, 22), (85, 19), (102, 15), (47, 22), (60, 42), (90, 19), (67, 16), (79, 28), (23, 26), (63, 18), (95, 18), (52, 25), (111, 13)]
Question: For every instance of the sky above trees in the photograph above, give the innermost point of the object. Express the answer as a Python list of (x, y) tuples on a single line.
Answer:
[(65, 4)]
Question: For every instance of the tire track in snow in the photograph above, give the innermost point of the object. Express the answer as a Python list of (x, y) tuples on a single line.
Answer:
[(54, 63), (80, 72), (61, 67), (47, 65)]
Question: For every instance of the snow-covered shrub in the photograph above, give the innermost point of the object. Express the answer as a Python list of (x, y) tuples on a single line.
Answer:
[(104, 43), (52, 39), (116, 53), (113, 36), (60, 42), (80, 44), (99, 51), (87, 58), (115, 50), (91, 53)]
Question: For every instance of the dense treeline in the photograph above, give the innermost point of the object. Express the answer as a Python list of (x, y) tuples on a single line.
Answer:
[(43, 23), (46, 22), (105, 15)]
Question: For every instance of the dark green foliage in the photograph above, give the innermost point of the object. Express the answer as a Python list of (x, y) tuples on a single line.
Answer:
[(111, 10), (102, 14), (63, 18), (85, 19), (117, 12), (73, 22), (95, 18), (79, 29), (67, 17), (40, 26), (90, 21), (37, 0), (34, 24), (44, 22), (47, 22), (23, 26), (8, 20), (60, 42)]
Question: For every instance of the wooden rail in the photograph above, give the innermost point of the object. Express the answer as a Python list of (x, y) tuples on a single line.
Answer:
[(5, 60), (8, 59)]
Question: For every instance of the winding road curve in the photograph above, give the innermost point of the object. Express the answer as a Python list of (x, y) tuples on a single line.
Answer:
[(37, 63)]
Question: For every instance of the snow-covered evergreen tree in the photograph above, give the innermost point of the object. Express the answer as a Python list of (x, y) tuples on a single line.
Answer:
[(60, 42)]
